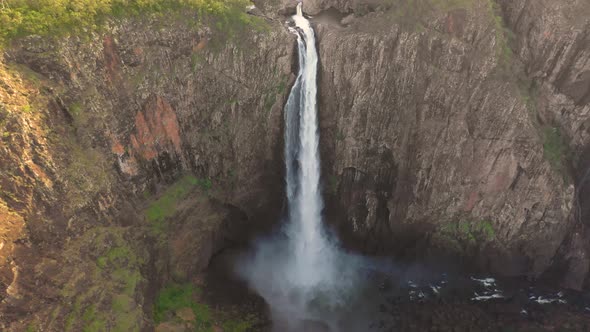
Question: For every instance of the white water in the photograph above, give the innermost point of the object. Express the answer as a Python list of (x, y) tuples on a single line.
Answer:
[(310, 245), (297, 267)]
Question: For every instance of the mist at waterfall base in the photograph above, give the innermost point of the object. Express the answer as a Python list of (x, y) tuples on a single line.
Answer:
[(300, 271)]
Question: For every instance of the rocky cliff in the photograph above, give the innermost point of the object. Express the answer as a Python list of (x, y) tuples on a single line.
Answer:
[(98, 133), (460, 126), (133, 154)]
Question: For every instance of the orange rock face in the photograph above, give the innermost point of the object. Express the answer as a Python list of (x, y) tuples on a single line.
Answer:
[(112, 59), (156, 130), (11, 229)]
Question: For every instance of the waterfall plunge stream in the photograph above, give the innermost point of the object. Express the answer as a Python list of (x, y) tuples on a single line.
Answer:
[(295, 270), (311, 248)]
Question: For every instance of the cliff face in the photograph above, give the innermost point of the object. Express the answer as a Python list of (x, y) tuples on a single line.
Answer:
[(97, 133), (553, 42), (453, 126), (437, 135)]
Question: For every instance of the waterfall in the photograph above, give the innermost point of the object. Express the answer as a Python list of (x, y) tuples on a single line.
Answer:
[(295, 269), (309, 243)]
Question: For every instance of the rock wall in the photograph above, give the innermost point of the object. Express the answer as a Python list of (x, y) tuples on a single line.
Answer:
[(98, 129), (453, 128), (553, 42)]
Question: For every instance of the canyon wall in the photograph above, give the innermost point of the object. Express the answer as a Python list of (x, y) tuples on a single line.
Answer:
[(98, 134), (460, 127), (133, 154)]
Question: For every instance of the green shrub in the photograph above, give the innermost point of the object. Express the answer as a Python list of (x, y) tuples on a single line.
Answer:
[(165, 206), (487, 229), (75, 109), (172, 298), (128, 279), (555, 149), (202, 316), (92, 321), (205, 184), (178, 296), (121, 303), (237, 325), (125, 314), (503, 35), (113, 255), (469, 232)]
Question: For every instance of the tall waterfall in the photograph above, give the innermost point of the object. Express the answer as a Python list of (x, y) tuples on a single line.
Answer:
[(295, 269), (308, 240)]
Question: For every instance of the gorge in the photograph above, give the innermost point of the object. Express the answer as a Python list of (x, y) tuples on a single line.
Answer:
[(454, 137)]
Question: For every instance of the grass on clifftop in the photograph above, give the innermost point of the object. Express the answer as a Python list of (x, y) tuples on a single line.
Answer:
[(20, 18)]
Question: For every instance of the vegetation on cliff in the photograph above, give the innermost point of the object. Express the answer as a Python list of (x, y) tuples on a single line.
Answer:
[(175, 297), (101, 294), (176, 305), (57, 17), (555, 149), (464, 235), (165, 206)]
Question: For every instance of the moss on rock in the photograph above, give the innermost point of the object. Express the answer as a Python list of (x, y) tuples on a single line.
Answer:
[(462, 235)]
